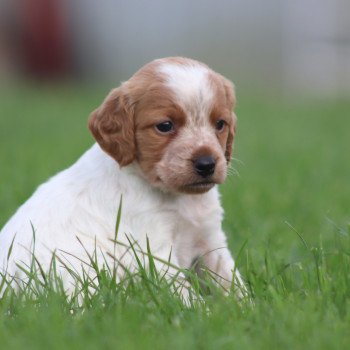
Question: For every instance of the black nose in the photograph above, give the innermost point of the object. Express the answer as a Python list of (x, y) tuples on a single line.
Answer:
[(204, 165)]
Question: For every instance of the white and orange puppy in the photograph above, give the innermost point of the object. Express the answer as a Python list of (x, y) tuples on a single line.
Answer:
[(164, 141)]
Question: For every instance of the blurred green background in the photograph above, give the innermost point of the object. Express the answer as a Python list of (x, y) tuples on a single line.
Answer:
[(286, 203)]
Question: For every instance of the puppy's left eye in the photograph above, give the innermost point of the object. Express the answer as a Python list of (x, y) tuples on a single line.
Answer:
[(220, 124), (165, 127)]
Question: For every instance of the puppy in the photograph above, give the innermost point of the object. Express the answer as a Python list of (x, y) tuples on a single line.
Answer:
[(164, 142)]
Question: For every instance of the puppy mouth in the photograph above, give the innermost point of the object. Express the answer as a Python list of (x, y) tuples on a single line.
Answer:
[(198, 187)]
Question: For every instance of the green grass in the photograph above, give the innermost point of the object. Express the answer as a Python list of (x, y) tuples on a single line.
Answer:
[(288, 209)]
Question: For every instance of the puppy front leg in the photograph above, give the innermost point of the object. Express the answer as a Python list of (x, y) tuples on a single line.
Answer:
[(172, 273), (220, 264)]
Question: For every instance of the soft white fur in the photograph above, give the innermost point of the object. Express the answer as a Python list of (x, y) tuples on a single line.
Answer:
[(190, 85)]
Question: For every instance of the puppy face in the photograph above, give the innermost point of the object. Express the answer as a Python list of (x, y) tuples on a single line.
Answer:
[(174, 118)]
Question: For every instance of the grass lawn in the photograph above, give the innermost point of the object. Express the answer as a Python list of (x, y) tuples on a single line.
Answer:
[(288, 209)]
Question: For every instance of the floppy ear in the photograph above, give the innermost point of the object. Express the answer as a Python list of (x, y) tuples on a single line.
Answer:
[(112, 125), (230, 137), (231, 101)]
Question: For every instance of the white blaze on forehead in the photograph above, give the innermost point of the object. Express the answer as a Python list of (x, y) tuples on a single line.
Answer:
[(191, 86)]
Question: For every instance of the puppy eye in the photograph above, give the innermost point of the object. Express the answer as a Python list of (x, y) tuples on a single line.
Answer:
[(165, 127), (220, 124)]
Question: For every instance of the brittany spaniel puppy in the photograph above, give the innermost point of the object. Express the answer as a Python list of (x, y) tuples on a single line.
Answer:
[(164, 142)]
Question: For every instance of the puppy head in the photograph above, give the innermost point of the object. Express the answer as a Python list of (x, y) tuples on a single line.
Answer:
[(174, 118)]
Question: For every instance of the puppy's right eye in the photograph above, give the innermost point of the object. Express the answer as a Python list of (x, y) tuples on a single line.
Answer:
[(165, 127)]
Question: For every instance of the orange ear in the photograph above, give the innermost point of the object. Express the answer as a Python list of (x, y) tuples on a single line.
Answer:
[(230, 137), (112, 125), (231, 101)]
